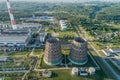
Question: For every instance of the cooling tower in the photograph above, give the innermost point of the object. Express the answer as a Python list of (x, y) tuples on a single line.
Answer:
[(53, 54), (78, 52)]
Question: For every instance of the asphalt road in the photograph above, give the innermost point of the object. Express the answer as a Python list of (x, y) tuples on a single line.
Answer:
[(107, 66), (116, 76)]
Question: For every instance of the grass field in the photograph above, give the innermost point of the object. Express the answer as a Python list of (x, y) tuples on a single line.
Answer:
[(115, 25), (66, 75), (43, 65), (102, 53), (1, 53), (18, 53), (38, 51)]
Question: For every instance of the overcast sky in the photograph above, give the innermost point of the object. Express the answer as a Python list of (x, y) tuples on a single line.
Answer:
[(65, 0)]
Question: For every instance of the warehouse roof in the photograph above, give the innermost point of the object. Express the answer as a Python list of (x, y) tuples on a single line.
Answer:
[(11, 39)]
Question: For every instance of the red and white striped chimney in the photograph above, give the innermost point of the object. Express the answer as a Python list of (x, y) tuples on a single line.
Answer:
[(13, 23)]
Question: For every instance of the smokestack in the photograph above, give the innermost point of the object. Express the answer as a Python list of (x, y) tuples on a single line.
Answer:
[(13, 23)]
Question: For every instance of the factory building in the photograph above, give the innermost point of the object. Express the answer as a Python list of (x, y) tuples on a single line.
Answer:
[(39, 18), (78, 52), (42, 36), (14, 38), (63, 25), (53, 54), (29, 26), (75, 71)]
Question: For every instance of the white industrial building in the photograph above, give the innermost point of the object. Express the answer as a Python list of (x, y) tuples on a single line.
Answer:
[(14, 38), (42, 36), (39, 18), (63, 25), (28, 26), (75, 71), (115, 50)]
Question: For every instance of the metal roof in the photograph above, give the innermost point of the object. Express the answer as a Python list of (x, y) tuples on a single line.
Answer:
[(12, 39)]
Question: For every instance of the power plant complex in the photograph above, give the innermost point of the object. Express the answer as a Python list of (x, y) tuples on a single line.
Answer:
[(33, 47), (53, 55), (78, 52)]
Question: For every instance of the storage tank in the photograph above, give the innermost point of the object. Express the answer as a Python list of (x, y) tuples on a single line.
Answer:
[(53, 54), (75, 71), (78, 52)]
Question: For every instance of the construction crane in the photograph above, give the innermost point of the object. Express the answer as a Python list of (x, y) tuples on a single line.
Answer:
[(13, 23)]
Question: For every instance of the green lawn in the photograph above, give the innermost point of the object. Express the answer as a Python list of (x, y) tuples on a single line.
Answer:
[(38, 51), (66, 75), (58, 75), (66, 52), (43, 65), (116, 25), (102, 53), (1, 53), (18, 53), (95, 45)]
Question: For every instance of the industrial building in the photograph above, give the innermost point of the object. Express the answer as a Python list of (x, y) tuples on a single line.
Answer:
[(42, 36), (46, 73), (63, 25), (14, 38), (29, 26), (83, 72), (4, 26), (39, 18), (6, 59), (53, 54), (115, 50), (75, 71), (78, 52)]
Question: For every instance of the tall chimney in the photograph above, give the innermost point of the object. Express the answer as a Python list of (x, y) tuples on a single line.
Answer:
[(13, 23)]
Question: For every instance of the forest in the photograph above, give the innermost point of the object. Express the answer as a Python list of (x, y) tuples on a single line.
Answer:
[(84, 12), (95, 17)]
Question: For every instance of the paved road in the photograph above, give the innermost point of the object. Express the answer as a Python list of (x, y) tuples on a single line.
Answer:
[(25, 75), (31, 54), (110, 69), (51, 69), (116, 76)]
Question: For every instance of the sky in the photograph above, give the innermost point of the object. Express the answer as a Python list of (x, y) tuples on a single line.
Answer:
[(65, 0)]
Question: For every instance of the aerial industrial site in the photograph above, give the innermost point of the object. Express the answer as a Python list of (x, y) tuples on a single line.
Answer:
[(56, 42)]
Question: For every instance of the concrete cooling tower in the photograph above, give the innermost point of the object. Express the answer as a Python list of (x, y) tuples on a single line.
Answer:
[(53, 54), (78, 52)]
